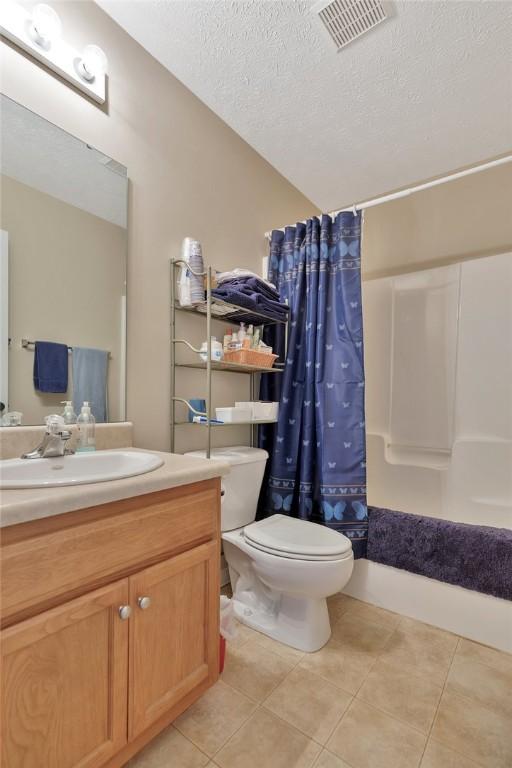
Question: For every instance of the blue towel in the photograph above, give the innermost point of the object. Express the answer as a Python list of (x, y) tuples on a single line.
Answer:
[(243, 296), (50, 367), (90, 380)]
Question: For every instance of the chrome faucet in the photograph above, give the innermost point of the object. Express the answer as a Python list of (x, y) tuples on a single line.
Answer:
[(54, 441)]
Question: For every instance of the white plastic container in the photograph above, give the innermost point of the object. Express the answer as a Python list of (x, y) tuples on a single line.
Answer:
[(233, 415), (216, 353), (261, 410)]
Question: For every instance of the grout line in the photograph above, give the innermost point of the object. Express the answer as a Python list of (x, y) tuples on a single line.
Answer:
[(429, 734), (337, 757)]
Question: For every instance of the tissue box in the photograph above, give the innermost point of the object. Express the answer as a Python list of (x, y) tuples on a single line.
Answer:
[(233, 415), (260, 410)]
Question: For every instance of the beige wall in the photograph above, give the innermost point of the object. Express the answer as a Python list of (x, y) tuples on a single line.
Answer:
[(466, 218), (189, 175), (67, 271)]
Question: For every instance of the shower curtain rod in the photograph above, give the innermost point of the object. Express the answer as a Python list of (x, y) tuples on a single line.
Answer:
[(410, 190)]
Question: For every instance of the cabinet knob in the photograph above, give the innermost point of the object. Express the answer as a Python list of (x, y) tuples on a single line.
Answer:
[(124, 612), (143, 602)]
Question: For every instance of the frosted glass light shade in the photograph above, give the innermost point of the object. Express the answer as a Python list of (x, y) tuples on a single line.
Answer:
[(46, 24), (94, 62)]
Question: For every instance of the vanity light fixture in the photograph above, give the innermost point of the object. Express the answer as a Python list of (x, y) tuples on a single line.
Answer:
[(93, 63), (37, 32), (45, 26)]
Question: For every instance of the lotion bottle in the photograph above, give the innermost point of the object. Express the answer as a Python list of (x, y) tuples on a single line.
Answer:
[(68, 413), (86, 430)]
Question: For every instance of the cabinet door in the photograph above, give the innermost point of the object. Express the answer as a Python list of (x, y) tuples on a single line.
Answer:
[(174, 633), (64, 684)]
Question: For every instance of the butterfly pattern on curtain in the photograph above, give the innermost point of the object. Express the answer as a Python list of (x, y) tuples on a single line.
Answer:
[(317, 466)]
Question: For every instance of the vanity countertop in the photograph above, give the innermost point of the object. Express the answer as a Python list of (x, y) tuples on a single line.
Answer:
[(22, 505)]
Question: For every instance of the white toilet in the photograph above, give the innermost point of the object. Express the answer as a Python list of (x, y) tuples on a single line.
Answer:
[(282, 569)]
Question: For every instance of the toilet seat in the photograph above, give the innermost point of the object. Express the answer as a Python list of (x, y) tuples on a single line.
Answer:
[(296, 539)]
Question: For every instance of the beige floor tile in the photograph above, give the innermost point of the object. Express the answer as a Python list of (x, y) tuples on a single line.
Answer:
[(487, 685), (286, 651), (473, 730), (368, 738), (438, 756), (344, 668), (254, 670), (328, 760), (408, 697), (415, 653), (356, 634), (373, 613), (169, 750), (243, 635), (266, 741), (338, 604), (429, 634), (468, 649), (310, 703), (215, 717)]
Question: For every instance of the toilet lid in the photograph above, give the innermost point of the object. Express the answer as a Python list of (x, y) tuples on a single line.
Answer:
[(292, 537)]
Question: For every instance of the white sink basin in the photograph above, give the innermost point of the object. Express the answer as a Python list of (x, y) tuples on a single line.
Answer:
[(97, 467)]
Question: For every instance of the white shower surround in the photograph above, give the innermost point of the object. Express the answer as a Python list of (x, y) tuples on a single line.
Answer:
[(438, 358), (439, 426)]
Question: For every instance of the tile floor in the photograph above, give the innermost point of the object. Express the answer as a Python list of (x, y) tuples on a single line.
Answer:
[(385, 692)]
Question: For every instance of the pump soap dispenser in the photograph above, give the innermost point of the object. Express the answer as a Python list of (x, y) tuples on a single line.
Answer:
[(86, 429), (68, 413)]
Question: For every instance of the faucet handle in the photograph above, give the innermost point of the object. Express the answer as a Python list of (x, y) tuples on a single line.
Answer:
[(54, 424)]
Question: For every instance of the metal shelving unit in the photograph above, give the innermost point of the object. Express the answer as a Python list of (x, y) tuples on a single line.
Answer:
[(210, 309)]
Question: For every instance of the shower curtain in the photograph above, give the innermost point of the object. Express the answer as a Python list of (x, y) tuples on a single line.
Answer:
[(317, 465)]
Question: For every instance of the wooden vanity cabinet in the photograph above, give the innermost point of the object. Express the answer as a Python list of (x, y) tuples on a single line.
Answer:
[(89, 678)]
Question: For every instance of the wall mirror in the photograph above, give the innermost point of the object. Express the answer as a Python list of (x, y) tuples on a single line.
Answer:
[(63, 246)]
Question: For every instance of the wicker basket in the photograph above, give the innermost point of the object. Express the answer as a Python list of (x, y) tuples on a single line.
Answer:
[(250, 357)]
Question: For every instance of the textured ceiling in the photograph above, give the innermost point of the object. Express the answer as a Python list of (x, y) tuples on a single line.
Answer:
[(40, 155), (426, 92)]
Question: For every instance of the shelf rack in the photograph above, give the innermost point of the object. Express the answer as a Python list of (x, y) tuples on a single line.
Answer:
[(210, 309)]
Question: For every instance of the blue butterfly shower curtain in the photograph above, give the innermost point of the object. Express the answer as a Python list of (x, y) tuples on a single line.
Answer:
[(317, 465)]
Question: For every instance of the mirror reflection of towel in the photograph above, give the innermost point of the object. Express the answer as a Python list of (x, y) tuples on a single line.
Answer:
[(90, 381), (50, 367)]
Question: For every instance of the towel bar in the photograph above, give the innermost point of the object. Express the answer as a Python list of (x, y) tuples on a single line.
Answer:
[(26, 344)]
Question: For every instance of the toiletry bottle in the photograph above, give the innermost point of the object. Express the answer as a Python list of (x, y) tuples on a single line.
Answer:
[(217, 351), (86, 430), (241, 333), (68, 412), (249, 338), (256, 338), (227, 340)]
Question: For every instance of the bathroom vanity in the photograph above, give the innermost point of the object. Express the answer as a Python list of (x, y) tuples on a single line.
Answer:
[(109, 612)]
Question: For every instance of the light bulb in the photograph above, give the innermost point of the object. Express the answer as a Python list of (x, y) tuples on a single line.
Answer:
[(46, 25), (94, 63)]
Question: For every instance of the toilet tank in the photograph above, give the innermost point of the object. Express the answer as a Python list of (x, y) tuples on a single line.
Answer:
[(242, 486)]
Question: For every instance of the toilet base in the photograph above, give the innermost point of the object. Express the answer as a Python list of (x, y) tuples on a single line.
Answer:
[(300, 622)]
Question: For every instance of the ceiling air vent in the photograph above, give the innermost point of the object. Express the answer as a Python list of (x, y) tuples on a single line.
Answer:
[(345, 20)]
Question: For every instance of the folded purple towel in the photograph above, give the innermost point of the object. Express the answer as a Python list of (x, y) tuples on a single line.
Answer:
[(254, 284), (242, 296)]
